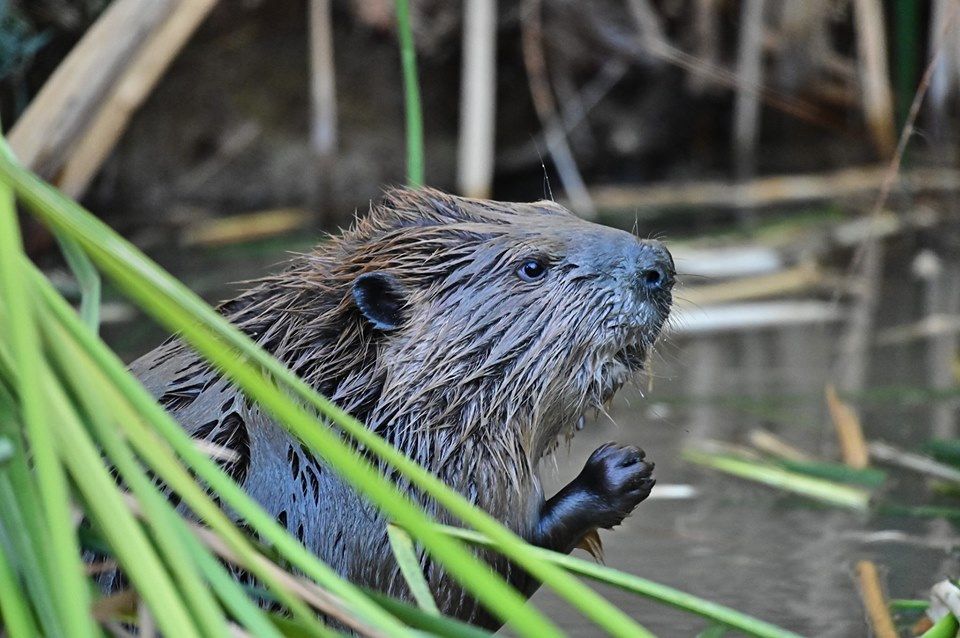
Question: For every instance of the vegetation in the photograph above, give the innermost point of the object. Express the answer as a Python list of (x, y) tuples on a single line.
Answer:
[(71, 414)]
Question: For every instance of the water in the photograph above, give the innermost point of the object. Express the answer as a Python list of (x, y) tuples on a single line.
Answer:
[(750, 547), (768, 554)]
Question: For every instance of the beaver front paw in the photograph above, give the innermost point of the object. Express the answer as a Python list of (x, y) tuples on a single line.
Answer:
[(618, 478)]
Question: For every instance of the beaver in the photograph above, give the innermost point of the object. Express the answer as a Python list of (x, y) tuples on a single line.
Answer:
[(474, 336)]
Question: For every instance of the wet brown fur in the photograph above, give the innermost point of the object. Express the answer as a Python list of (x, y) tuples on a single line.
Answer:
[(483, 376)]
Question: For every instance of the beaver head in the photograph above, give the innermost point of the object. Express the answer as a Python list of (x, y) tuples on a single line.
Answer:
[(445, 322)]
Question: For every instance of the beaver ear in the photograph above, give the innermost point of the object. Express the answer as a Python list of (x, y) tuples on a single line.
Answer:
[(379, 297)]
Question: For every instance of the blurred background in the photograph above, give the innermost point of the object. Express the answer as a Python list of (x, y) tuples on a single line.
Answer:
[(816, 327)]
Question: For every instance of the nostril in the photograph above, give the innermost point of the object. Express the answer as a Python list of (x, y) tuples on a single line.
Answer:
[(660, 277), (652, 278)]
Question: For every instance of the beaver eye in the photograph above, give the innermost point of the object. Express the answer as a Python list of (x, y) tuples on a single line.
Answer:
[(532, 270)]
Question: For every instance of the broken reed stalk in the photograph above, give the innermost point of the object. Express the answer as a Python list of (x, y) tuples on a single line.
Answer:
[(853, 447), (746, 119), (71, 97), (131, 89), (323, 89), (245, 227), (773, 190), (866, 258), (478, 96), (872, 66), (874, 601)]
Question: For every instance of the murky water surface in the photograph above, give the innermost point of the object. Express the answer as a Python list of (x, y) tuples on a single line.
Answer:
[(758, 550)]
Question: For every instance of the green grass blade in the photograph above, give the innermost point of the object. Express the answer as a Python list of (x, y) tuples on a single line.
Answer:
[(943, 450), (168, 528), (716, 631), (22, 536), (824, 491), (229, 492), (870, 477), (946, 627), (65, 575), (14, 609), (178, 308), (642, 587), (234, 598), (87, 278), (411, 91), (404, 552), (20, 531), (105, 503), (919, 511), (165, 466), (441, 626), (901, 604)]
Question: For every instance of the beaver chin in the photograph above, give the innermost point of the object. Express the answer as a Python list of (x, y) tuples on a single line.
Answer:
[(626, 363), (623, 366)]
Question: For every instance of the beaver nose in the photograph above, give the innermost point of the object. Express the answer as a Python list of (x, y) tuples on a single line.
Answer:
[(656, 268), (656, 278)]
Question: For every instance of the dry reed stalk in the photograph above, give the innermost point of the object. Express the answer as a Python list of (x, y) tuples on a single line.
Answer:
[(573, 112), (71, 97), (649, 24), (855, 342), (875, 603), (245, 227), (853, 446), (772, 190), (323, 90), (478, 93), (706, 26), (146, 626), (872, 64), (867, 256), (947, 73), (309, 592), (716, 74), (746, 118), (935, 325), (128, 93), (794, 280)]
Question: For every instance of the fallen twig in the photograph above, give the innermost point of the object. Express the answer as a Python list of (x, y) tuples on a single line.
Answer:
[(853, 447), (871, 592)]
